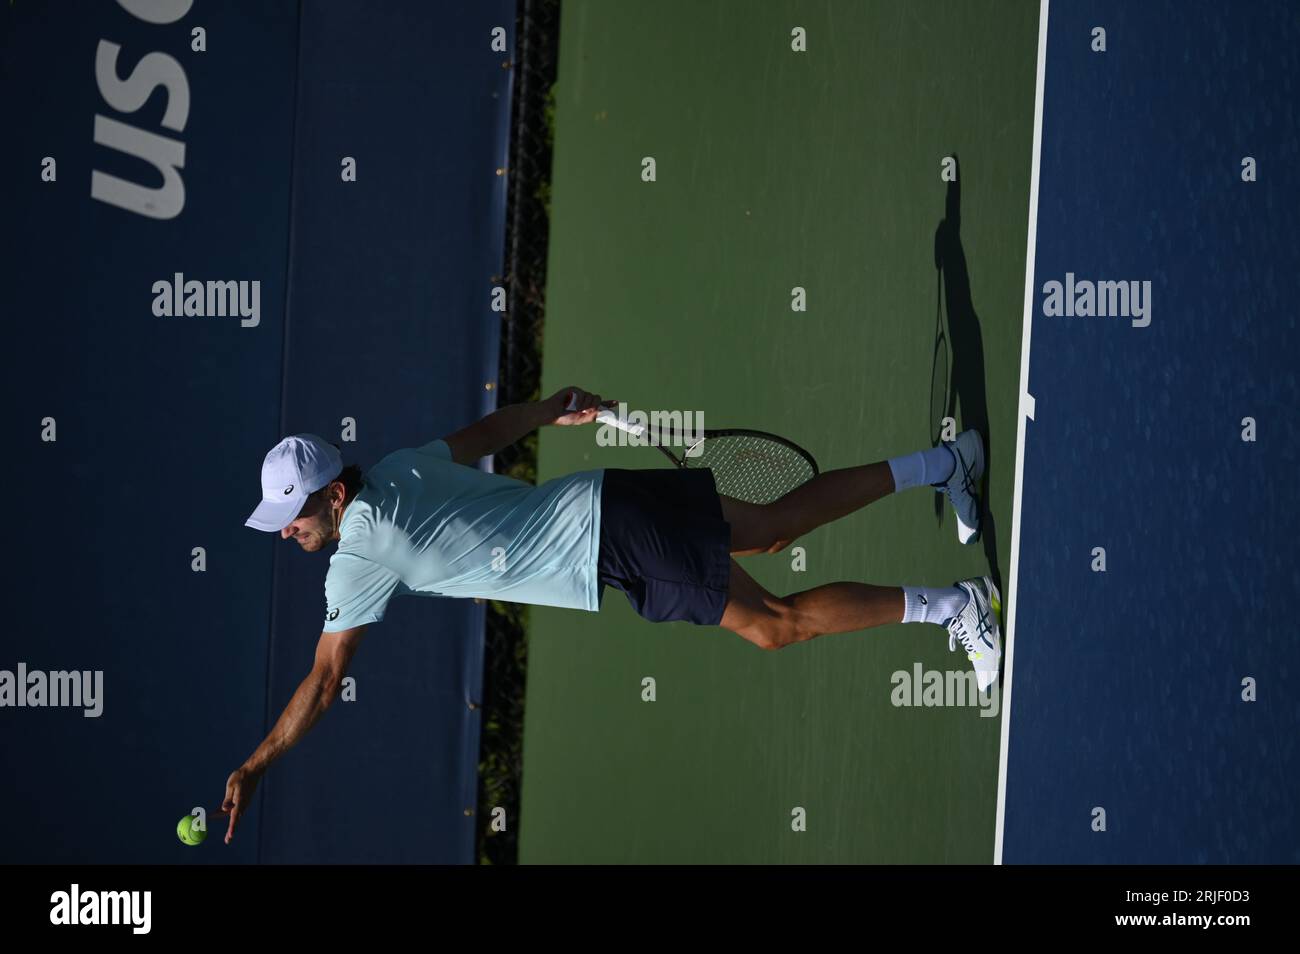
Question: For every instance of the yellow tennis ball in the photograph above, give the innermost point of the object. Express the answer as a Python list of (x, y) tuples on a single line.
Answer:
[(187, 833)]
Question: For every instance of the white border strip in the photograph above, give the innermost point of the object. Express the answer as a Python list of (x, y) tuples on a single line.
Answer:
[(1024, 411)]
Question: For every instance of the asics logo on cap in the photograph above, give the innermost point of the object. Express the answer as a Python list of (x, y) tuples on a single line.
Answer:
[(288, 490)]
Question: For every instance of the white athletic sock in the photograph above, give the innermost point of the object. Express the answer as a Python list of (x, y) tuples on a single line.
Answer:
[(923, 468), (933, 604)]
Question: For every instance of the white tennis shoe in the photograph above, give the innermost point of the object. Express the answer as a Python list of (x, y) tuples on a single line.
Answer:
[(976, 628), (962, 488)]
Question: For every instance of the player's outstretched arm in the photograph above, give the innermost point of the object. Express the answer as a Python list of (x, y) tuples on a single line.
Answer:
[(310, 700), (506, 425)]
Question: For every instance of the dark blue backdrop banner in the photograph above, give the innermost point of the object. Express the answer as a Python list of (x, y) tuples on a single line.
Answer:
[(357, 310)]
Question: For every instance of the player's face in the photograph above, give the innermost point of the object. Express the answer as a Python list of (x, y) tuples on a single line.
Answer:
[(312, 528)]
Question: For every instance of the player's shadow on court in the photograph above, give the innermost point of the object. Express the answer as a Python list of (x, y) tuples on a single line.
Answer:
[(957, 377)]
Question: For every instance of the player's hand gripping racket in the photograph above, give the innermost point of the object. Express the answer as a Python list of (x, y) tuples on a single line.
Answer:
[(753, 466)]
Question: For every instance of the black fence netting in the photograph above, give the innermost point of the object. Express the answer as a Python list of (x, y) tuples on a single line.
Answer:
[(528, 203)]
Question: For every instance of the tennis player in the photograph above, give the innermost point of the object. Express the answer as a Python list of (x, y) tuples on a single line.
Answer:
[(426, 521)]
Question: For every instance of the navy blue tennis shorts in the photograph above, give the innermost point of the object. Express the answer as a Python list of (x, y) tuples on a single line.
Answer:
[(664, 542)]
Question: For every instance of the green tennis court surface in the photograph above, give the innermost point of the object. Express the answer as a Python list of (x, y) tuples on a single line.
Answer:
[(776, 170)]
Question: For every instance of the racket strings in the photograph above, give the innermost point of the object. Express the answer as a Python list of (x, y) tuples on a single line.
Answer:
[(754, 469)]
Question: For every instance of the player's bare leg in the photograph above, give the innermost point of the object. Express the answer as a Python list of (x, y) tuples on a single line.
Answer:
[(968, 611), (769, 528), (771, 622), (954, 467)]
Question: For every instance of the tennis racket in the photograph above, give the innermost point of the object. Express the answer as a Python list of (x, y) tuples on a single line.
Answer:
[(753, 466)]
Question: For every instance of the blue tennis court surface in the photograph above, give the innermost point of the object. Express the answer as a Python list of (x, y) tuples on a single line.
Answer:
[(1127, 692)]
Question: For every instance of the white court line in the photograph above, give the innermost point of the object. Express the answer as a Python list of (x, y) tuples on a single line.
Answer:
[(1024, 410)]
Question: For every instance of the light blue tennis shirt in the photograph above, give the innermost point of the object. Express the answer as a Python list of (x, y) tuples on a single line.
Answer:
[(424, 525)]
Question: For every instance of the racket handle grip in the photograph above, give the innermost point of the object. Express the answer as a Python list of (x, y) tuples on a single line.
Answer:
[(606, 416)]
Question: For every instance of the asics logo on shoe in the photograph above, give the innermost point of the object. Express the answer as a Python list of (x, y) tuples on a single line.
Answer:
[(967, 483)]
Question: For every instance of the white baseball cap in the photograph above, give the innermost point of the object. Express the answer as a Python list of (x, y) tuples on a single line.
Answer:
[(293, 469)]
